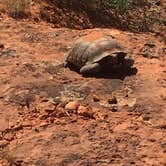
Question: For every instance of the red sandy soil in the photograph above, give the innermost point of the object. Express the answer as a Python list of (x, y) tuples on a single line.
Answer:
[(121, 120)]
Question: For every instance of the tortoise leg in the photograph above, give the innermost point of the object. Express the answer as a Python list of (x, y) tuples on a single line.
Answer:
[(90, 69)]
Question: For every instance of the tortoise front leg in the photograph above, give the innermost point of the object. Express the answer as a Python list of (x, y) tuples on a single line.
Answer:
[(90, 69)]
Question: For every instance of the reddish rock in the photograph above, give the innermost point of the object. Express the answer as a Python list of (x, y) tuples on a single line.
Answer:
[(43, 116), (96, 98), (112, 100), (97, 114), (2, 46), (9, 136), (85, 111), (47, 107), (4, 124), (73, 105), (44, 124), (58, 113), (82, 110), (3, 143)]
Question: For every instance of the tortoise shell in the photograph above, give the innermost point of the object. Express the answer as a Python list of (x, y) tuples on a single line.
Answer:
[(88, 52)]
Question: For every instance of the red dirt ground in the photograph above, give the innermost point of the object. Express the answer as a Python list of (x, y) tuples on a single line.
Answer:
[(37, 127)]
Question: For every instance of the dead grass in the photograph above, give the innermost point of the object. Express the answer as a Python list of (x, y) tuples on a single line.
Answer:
[(17, 8), (6, 155)]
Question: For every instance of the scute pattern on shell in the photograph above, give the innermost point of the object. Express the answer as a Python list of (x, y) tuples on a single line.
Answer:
[(84, 52), (76, 55)]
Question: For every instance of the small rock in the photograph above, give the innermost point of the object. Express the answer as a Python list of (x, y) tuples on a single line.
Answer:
[(130, 102), (9, 136), (112, 100), (50, 109), (47, 107), (18, 162), (26, 124), (163, 97), (37, 130), (146, 118), (95, 110), (163, 145), (2, 46), (96, 98), (162, 126), (114, 108), (9, 53), (51, 78), (97, 114), (3, 143), (43, 116), (152, 139), (59, 113), (4, 124), (150, 44), (73, 105), (17, 127), (11, 124), (44, 124), (84, 111), (150, 50)]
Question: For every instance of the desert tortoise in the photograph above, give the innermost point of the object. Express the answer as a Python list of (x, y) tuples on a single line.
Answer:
[(91, 56)]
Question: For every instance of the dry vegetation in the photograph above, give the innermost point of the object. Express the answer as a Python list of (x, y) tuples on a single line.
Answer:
[(142, 15), (17, 8), (7, 155)]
